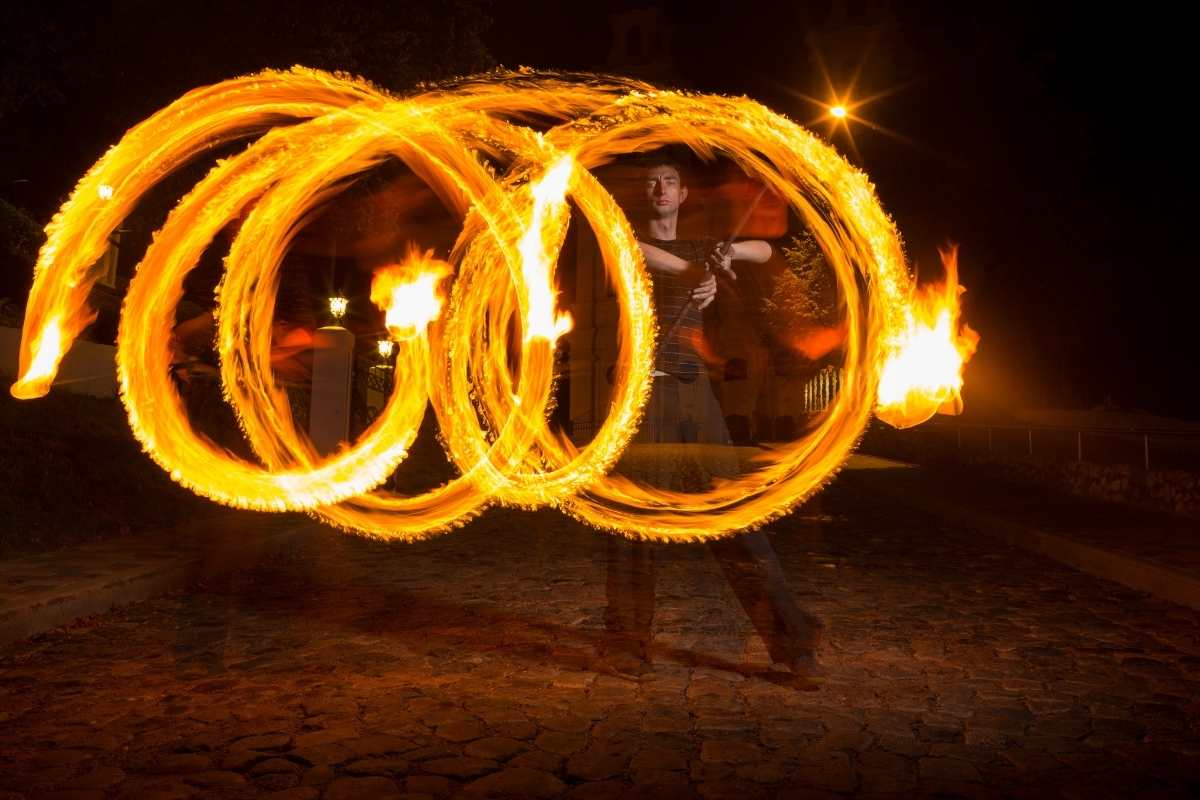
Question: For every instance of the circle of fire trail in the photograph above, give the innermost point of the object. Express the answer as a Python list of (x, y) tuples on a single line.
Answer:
[(904, 350)]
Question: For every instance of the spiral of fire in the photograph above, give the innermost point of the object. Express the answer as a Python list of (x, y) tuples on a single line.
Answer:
[(317, 131)]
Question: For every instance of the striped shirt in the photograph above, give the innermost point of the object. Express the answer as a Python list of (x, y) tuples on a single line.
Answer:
[(680, 322)]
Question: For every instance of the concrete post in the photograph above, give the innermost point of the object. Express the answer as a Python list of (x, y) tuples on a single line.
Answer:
[(333, 367)]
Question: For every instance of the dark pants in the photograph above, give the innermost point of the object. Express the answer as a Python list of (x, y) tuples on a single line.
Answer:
[(752, 569), (683, 412), (748, 559)]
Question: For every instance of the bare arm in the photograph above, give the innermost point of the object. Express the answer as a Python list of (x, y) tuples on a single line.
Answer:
[(662, 262), (756, 251), (659, 260)]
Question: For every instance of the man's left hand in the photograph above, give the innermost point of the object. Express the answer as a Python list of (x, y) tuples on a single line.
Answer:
[(706, 292)]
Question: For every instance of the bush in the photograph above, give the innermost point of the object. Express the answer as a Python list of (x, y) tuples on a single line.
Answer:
[(72, 472)]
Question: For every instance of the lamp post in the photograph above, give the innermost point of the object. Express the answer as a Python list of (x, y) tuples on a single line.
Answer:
[(333, 368)]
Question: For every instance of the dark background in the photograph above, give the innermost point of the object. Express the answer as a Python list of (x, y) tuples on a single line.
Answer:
[(1050, 143)]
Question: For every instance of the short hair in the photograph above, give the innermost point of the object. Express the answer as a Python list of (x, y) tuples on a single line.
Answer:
[(665, 158)]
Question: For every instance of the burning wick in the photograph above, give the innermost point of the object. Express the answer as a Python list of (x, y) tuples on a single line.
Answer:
[(408, 294)]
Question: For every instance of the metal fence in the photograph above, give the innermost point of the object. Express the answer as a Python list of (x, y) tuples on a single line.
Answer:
[(1149, 448), (821, 389)]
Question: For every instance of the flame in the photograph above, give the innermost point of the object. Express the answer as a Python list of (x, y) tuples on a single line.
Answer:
[(923, 374), (47, 353), (490, 388), (408, 294), (537, 260)]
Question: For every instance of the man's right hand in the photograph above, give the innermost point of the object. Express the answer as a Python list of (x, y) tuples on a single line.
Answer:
[(720, 259)]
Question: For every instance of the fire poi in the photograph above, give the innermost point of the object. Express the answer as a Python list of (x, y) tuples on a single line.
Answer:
[(904, 350)]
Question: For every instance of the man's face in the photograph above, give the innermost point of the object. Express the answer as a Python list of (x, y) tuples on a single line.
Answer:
[(664, 191)]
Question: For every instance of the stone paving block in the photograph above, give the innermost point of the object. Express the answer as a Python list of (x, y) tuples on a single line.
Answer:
[(599, 762), (323, 754), (433, 785), (659, 759), (276, 766), (157, 789), (830, 770), (271, 741), (101, 778), (361, 789), (884, 772), (559, 743), (277, 782), (214, 779), (66, 794), (515, 729), (313, 739), (461, 768), (386, 767), (516, 782), (598, 790), (462, 731), (379, 745), (495, 748), (947, 769), (298, 793), (180, 763), (730, 752), (539, 760)]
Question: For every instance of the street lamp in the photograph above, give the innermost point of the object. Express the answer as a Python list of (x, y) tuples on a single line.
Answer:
[(337, 307), (838, 112), (386, 348)]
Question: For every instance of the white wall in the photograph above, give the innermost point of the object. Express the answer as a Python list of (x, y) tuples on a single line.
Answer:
[(89, 368)]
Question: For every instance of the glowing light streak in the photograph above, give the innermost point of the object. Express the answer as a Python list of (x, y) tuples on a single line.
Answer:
[(454, 353)]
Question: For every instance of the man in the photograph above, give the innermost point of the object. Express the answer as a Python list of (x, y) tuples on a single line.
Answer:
[(684, 274), (683, 409)]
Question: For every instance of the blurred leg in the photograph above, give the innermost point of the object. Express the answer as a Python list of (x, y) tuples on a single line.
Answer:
[(752, 568)]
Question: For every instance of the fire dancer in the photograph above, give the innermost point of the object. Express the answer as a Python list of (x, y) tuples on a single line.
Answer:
[(683, 409)]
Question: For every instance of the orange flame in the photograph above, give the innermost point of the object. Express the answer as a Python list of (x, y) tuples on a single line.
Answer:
[(923, 373), (408, 293)]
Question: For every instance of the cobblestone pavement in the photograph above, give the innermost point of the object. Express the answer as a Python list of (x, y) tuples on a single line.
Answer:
[(467, 666)]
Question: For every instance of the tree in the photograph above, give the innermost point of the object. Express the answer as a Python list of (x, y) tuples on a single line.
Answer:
[(802, 319), (74, 76)]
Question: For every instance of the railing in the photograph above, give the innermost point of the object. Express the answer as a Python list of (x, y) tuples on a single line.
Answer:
[(1160, 448), (821, 389)]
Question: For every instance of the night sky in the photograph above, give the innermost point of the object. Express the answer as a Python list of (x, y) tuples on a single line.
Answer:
[(1048, 143)]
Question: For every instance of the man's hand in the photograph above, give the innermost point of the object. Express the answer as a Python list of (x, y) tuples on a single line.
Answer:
[(703, 295), (720, 260)]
